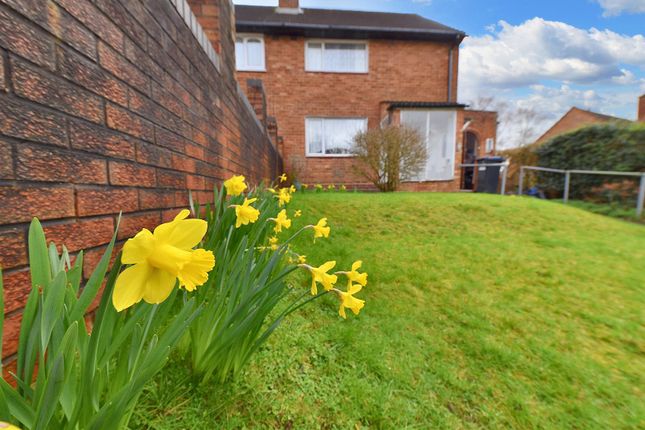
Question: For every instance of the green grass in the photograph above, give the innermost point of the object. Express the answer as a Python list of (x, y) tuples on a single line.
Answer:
[(482, 311), (614, 210)]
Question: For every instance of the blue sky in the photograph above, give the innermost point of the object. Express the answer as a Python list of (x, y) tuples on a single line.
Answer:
[(547, 55)]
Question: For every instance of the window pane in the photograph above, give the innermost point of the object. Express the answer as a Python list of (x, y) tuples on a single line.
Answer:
[(345, 57), (255, 53), (240, 57), (339, 134), (314, 136), (314, 56), (441, 145)]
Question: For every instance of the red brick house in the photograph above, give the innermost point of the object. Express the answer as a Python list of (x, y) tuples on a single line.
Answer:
[(574, 119), (322, 75)]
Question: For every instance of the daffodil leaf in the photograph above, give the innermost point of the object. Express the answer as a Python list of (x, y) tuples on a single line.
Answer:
[(38, 256)]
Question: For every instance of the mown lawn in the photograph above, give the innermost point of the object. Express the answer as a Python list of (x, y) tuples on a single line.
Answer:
[(482, 311)]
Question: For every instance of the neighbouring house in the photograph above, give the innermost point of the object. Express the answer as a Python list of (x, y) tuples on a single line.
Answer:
[(574, 119), (316, 77)]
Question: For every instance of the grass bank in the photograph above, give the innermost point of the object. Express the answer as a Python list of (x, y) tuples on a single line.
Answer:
[(482, 311)]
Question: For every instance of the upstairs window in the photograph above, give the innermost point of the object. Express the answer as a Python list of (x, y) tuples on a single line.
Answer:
[(339, 57), (332, 136), (249, 53)]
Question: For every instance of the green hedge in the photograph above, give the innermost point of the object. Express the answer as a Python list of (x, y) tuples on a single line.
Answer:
[(615, 147)]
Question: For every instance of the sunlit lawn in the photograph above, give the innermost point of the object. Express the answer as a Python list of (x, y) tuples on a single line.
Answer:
[(482, 312)]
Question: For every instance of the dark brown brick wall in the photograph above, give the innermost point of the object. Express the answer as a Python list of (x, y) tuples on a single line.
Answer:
[(109, 106)]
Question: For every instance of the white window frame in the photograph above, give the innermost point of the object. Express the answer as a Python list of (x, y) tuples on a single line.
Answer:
[(323, 118), (337, 41), (490, 144), (245, 67), (452, 149)]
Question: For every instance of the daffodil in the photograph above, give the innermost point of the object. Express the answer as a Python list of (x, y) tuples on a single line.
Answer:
[(319, 274), (297, 213), (273, 242), (283, 178), (318, 187), (348, 301), (246, 213), (235, 185), (302, 259), (7, 426), (158, 259), (343, 187), (271, 190), (292, 189), (355, 276), (331, 187), (283, 196), (281, 221), (305, 186), (321, 229)]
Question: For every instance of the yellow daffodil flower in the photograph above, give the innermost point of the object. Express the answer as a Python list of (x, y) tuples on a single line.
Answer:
[(273, 242), (7, 426), (283, 178), (246, 213), (331, 187), (347, 300), (354, 276), (235, 185), (281, 221), (305, 186), (302, 259), (319, 274), (292, 189), (343, 187), (283, 196), (271, 190), (321, 229), (158, 259), (319, 187), (297, 213)]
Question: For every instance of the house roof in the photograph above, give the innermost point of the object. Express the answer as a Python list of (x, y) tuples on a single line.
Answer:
[(345, 24), (574, 119), (427, 105)]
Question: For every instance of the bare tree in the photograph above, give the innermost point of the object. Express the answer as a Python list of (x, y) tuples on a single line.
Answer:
[(389, 155)]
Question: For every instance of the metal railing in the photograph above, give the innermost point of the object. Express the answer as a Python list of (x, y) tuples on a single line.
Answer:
[(503, 169), (640, 201)]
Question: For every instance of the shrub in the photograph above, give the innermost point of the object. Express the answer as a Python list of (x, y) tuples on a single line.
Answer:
[(389, 155), (597, 147)]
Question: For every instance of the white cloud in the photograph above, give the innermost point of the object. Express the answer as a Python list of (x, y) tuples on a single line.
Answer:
[(617, 7), (537, 49), (549, 67)]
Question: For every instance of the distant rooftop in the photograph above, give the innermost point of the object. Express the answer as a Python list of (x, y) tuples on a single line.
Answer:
[(345, 24)]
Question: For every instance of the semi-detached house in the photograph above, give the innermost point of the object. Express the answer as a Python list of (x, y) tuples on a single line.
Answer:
[(326, 74)]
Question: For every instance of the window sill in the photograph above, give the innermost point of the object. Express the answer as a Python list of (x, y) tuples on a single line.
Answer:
[(331, 72), (330, 156), (251, 70)]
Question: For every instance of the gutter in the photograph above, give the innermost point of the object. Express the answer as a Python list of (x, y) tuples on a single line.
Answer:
[(459, 35)]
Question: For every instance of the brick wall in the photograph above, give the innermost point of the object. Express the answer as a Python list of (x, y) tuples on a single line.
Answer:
[(398, 71), (108, 106), (484, 125)]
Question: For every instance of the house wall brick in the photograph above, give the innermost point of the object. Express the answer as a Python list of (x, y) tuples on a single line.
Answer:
[(398, 71), (110, 106), (484, 125), (575, 118)]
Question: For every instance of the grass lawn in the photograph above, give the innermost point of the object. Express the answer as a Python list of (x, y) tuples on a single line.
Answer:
[(482, 311)]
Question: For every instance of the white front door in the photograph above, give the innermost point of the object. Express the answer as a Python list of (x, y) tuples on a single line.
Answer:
[(438, 128)]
